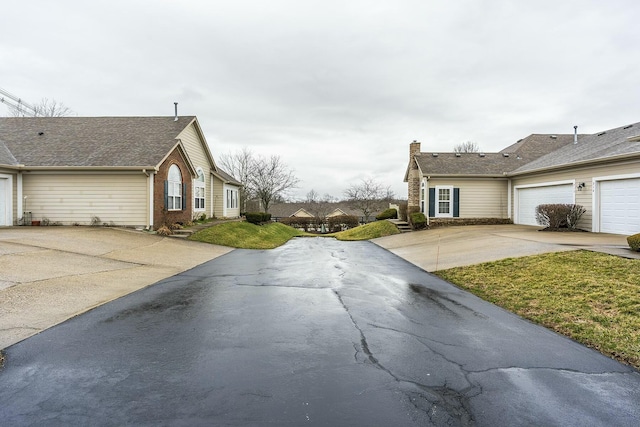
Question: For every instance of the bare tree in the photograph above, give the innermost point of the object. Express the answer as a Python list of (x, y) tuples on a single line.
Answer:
[(318, 206), (45, 108), (466, 147), (368, 197), (270, 179), (239, 165)]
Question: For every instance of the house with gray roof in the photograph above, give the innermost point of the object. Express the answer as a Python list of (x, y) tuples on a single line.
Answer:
[(601, 172), (129, 171)]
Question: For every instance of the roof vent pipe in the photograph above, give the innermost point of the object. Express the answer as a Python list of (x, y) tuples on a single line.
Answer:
[(575, 134), (175, 119)]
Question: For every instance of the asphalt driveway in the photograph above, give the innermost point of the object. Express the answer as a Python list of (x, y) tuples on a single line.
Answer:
[(315, 332)]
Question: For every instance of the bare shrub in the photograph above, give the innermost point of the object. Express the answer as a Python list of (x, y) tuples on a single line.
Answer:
[(556, 216)]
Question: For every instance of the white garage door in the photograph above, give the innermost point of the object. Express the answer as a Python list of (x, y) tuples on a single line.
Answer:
[(620, 206), (529, 198), (3, 201)]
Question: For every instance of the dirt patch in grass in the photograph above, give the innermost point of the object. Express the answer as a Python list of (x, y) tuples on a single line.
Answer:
[(591, 297)]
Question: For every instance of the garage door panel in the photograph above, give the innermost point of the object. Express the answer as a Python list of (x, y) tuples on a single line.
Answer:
[(529, 198), (620, 206)]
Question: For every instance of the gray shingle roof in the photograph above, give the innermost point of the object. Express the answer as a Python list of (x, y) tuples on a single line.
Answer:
[(466, 163), (599, 146), (6, 158), (90, 141), (537, 145), (227, 178)]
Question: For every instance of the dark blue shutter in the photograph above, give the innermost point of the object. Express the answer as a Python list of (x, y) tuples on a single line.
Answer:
[(184, 197), (456, 202), (166, 195), (432, 202)]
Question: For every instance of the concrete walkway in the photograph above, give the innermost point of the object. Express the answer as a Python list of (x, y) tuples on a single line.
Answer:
[(50, 274)]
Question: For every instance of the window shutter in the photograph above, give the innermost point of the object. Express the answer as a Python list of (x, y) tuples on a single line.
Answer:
[(456, 202), (432, 202), (184, 197), (166, 195)]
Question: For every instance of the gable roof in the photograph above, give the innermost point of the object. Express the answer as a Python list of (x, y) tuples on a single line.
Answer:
[(226, 178), (535, 152), (623, 141), (537, 145), (90, 141)]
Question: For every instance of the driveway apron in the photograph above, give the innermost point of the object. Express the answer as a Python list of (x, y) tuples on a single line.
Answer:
[(316, 332)]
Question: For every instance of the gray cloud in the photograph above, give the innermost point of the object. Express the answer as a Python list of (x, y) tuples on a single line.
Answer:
[(338, 89)]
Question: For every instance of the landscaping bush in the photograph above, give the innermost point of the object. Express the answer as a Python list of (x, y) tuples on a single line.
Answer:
[(418, 220), (390, 213), (634, 242), (258, 217), (556, 216), (337, 223)]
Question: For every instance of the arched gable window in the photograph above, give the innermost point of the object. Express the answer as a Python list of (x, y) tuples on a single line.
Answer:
[(174, 200), (199, 191)]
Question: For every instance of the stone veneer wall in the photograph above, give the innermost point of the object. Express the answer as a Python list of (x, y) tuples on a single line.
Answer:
[(413, 178)]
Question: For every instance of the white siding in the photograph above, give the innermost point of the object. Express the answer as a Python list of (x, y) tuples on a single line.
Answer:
[(195, 148), (479, 198), (121, 199), (219, 198)]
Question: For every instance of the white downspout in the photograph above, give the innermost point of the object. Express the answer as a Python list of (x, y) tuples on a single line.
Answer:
[(211, 194), (150, 177), (426, 199), (509, 199), (19, 202)]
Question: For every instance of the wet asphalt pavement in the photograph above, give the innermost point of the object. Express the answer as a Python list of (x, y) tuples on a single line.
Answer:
[(317, 332)]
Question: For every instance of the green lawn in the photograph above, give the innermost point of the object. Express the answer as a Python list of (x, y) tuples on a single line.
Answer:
[(246, 235), (591, 297), (368, 231)]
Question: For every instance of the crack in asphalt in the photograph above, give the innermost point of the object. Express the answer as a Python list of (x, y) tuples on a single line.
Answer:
[(455, 404)]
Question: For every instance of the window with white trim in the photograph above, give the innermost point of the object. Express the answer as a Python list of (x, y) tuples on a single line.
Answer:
[(174, 192), (444, 201), (422, 198), (199, 191), (232, 199)]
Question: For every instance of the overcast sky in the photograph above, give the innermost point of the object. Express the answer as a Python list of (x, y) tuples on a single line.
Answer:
[(338, 89)]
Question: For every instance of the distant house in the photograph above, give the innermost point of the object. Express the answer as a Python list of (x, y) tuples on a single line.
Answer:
[(600, 172), (310, 210), (130, 171)]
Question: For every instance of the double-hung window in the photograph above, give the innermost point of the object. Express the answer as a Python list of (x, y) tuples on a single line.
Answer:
[(232, 199), (199, 191), (444, 201)]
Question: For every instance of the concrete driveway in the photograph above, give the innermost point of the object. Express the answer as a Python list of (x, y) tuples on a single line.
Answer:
[(448, 247), (49, 274)]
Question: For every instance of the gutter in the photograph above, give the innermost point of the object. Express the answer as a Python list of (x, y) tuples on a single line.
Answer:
[(627, 156)]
